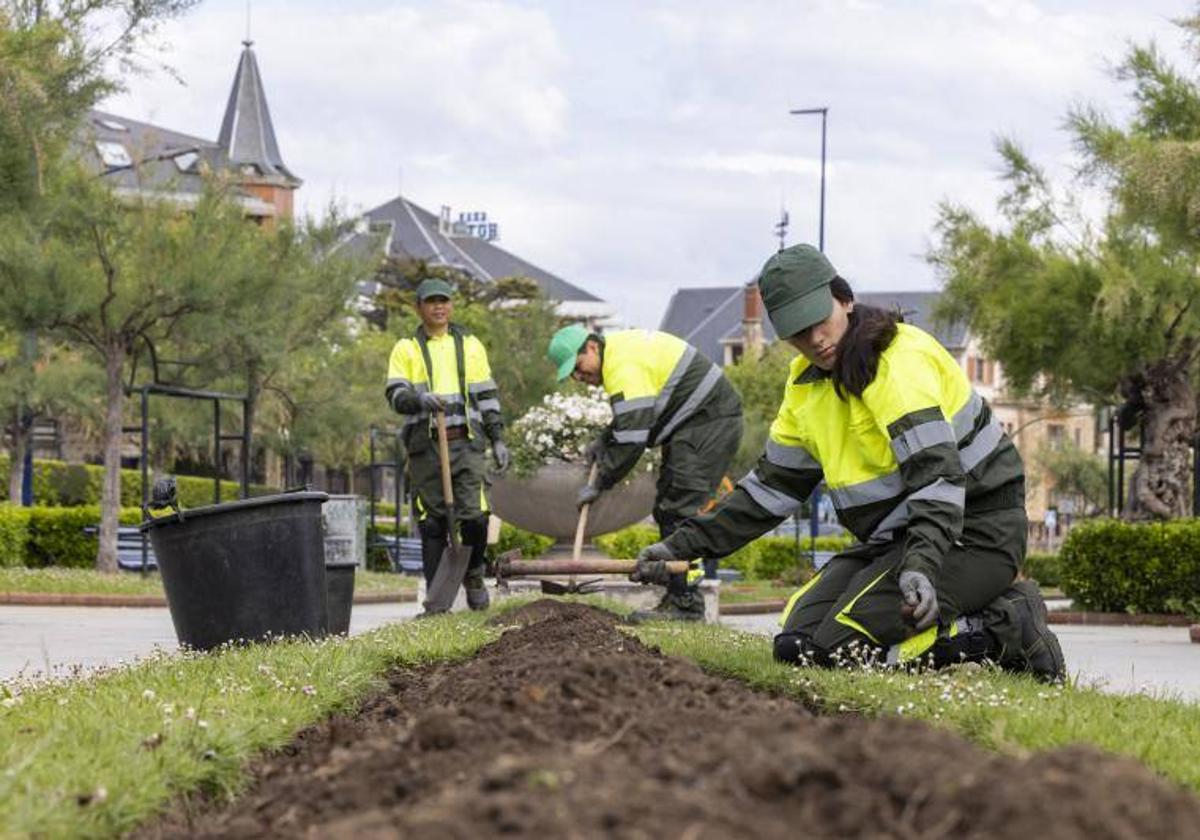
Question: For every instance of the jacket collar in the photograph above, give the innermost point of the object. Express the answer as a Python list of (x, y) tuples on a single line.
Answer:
[(812, 374)]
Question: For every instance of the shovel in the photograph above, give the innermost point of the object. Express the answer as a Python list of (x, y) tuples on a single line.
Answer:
[(571, 587), (452, 568)]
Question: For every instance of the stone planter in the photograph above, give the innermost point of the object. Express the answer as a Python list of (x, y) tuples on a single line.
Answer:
[(1194, 632), (544, 502)]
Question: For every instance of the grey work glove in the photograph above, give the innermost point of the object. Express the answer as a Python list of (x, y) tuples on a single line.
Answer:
[(593, 450), (920, 595), (501, 456), (430, 402), (652, 565), (588, 493)]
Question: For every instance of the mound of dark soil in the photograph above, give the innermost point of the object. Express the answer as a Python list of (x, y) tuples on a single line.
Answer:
[(567, 728)]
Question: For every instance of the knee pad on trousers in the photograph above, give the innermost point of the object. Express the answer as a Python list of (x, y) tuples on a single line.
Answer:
[(800, 649)]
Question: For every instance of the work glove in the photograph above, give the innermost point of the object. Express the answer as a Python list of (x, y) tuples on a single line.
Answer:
[(588, 493), (593, 450), (501, 456), (920, 596), (652, 565), (430, 402)]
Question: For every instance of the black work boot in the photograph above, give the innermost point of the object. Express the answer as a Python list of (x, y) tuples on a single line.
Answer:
[(674, 606), (1040, 653), (477, 594)]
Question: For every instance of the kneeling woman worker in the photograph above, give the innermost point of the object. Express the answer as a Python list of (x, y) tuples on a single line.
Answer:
[(920, 472)]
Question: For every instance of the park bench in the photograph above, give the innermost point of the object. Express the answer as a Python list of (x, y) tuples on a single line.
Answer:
[(404, 553), (129, 548)]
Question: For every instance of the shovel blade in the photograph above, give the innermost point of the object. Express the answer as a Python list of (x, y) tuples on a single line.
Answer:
[(451, 570)]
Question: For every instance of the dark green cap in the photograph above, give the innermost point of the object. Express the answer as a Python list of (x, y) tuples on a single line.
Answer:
[(433, 287), (795, 289)]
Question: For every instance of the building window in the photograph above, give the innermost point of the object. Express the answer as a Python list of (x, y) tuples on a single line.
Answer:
[(1056, 435)]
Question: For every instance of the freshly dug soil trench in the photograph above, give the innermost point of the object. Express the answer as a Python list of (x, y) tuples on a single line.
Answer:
[(565, 727)]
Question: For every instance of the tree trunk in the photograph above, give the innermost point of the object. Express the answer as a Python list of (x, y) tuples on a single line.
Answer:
[(110, 496), (1161, 485), (16, 452)]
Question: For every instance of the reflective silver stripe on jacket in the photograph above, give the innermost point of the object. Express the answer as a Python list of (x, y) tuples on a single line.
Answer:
[(625, 406), (867, 492), (984, 444), (479, 387), (660, 402), (790, 457), (632, 436), (920, 437), (941, 491), (490, 404), (773, 501), (964, 419), (938, 491), (691, 403)]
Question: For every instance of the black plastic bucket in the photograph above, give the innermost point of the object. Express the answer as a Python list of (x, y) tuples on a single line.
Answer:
[(339, 595), (244, 570)]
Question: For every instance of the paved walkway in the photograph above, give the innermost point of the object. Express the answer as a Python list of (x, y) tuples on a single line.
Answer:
[(1158, 660), (1161, 661), (52, 639)]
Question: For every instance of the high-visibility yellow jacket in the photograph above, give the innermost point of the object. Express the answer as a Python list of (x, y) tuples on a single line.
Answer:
[(655, 382), (472, 401), (905, 461)]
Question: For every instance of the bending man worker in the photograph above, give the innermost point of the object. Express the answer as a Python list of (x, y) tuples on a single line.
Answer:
[(664, 393), (919, 471), (445, 368)]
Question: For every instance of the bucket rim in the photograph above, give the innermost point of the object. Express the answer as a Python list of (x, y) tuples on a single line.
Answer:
[(238, 504)]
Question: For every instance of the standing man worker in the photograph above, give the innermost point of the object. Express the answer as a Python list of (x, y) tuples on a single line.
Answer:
[(443, 368), (664, 393)]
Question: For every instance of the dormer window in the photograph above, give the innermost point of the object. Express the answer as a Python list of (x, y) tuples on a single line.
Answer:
[(113, 154)]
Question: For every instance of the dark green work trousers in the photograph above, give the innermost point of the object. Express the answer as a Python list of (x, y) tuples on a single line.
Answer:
[(467, 466), (695, 460), (855, 598)]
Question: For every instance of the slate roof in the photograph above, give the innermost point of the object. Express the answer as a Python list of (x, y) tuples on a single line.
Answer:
[(149, 158), (247, 134), (708, 316), (143, 143), (409, 231)]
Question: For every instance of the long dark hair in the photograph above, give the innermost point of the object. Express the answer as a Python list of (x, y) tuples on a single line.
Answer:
[(869, 332)]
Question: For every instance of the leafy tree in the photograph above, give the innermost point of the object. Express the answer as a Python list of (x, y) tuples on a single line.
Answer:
[(1107, 311), (1076, 475), (760, 381)]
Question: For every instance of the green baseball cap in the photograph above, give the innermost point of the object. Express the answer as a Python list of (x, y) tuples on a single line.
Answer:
[(433, 287), (795, 289), (565, 346)]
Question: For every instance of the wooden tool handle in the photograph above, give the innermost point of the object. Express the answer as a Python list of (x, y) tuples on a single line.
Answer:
[(577, 552), (599, 566), (447, 484)]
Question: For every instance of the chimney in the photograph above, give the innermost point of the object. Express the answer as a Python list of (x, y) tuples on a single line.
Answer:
[(752, 331)]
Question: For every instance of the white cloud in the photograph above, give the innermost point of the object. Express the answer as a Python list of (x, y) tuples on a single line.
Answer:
[(634, 148)]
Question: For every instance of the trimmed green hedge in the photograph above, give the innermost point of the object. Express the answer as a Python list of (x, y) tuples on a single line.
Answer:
[(1046, 569), (59, 484), (41, 536), (532, 545), (14, 530), (1116, 566), (767, 558)]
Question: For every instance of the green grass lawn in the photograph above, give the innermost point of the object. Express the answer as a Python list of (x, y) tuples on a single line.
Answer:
[(96, 756), (755, 590), (1000, 711), (87, 581)]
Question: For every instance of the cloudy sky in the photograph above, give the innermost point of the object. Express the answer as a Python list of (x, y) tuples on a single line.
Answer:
[(637, 147)]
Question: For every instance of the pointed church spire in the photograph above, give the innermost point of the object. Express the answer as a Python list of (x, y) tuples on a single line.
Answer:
[(247, 136)]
